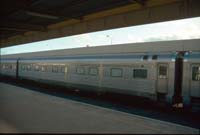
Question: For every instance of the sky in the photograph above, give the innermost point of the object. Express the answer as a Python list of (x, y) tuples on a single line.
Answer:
[(164, 31)]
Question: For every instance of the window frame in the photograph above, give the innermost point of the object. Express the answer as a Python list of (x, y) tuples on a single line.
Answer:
[(28, 68), (198, 66), (3, 66), (140, 69), (53, 69), (82, 68), (22, 67), (10, 66), (44, 67), (14, 67), (111, 73), (89, 71), (36, 69), (62, 69), (166, 76)]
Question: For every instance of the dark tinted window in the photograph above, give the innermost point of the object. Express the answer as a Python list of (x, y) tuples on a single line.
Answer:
[(155, 57), (140, 73), (145, 57)]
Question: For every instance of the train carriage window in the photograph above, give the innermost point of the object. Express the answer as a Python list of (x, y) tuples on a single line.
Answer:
[(50, 68), (7, 66), (116, 72), (28, 68), (4, 66), (145, 57), (162, 72), (140, 73), (80, 70), (36, 68), (10, 66), (25, 67), (196, 73), (154, 57), (93, 71), (55, 69), (14, 67), (43, 68), (63, 69), (22, 67)]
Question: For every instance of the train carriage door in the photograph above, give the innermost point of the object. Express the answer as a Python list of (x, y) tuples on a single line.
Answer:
[(162, 78), (195, 80)]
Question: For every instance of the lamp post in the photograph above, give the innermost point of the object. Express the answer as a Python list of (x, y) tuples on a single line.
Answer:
[(110, 38)]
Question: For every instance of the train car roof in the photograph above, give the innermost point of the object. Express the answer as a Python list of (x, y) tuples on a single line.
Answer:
[(147, 47)]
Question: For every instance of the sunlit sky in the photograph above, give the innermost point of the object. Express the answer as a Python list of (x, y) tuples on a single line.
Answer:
[(171, 30)]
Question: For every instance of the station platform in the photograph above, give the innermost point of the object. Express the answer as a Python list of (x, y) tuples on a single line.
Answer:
[(27, 111)]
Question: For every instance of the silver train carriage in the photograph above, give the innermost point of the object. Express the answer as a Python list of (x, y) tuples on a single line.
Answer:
[(167, 71)]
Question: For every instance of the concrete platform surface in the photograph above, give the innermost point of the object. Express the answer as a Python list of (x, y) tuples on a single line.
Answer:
[(26, 111)]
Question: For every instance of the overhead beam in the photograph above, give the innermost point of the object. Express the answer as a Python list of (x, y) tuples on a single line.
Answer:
[(48, 15), (18, 26), (37, 14), (12, 29), (141, 2)]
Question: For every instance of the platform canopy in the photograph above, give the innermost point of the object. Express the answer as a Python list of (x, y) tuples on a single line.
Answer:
[(25, 21)]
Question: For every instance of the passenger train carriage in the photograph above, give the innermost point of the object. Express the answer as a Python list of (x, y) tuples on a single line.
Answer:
[(167, 71)]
